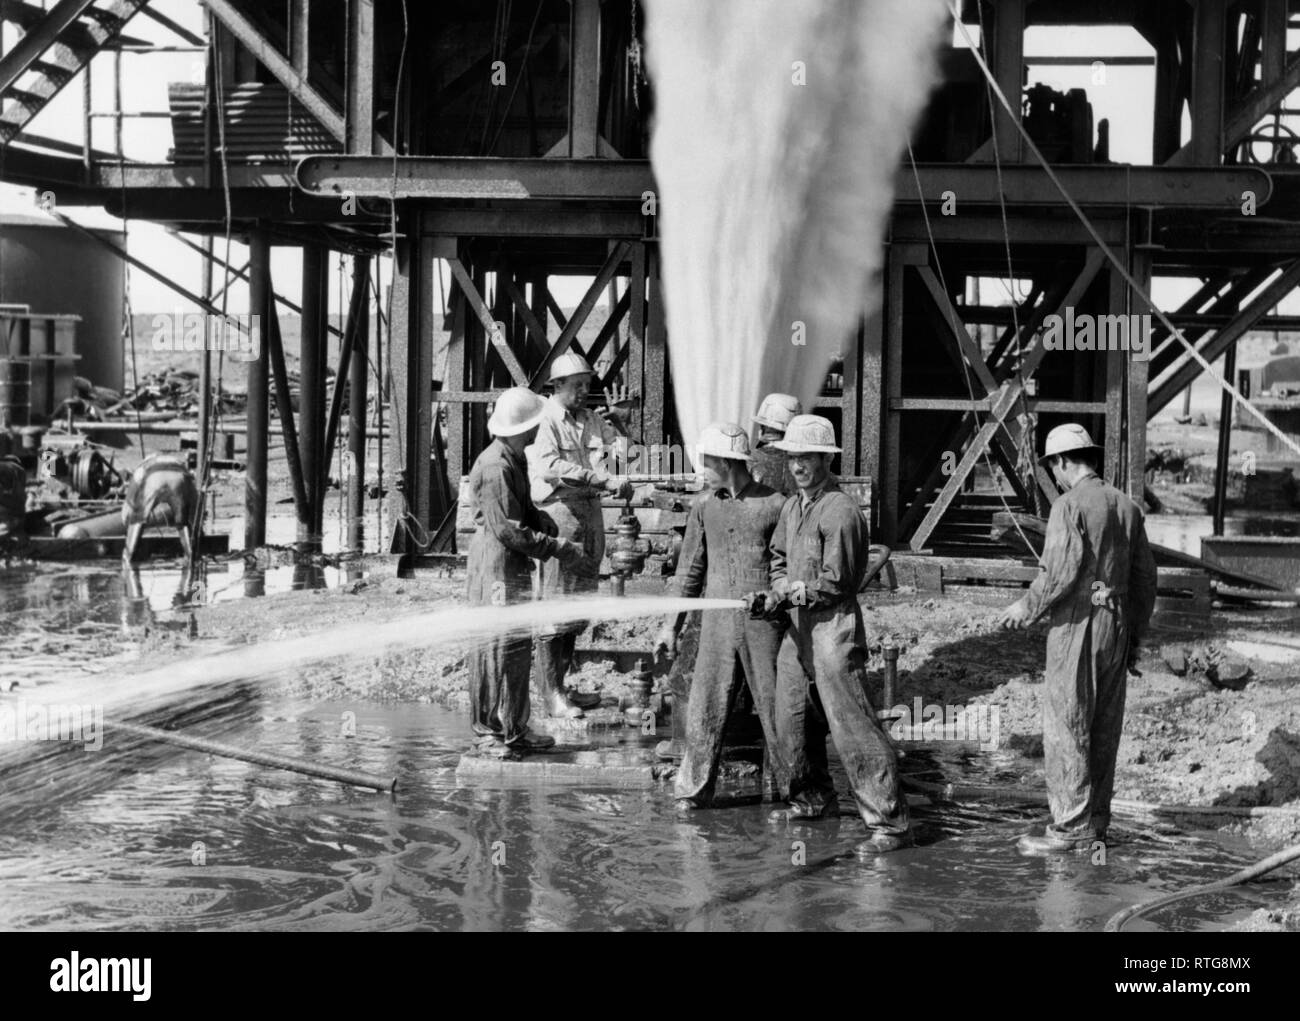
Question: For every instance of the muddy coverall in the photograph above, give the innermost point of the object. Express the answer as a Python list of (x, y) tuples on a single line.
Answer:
[(567, 485), (1097, 584), (725, 555), (508, 531), (821, 670)]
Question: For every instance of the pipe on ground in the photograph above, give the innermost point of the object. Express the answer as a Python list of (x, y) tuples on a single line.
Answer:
[(200, 744)]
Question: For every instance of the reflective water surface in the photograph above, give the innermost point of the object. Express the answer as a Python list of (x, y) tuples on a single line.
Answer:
[(153, 837), (179, 840)]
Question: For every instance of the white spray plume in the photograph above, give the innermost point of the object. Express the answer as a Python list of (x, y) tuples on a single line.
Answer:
[(774, 195)]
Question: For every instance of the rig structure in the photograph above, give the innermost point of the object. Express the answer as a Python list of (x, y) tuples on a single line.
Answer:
[(511, 139)]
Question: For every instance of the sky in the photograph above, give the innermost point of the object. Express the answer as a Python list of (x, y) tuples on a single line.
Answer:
[(1125, 98)]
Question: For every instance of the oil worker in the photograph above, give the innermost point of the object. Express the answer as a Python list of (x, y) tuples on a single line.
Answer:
[(1097, 585), (769, 464), (819, 561), (508, 531), (725, 555), (567, 469)]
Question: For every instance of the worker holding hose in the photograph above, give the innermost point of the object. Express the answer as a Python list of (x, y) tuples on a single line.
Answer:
[(566, 467), (767, 466), (725, 555), (509, 531), (819, 559), (1097, 584)]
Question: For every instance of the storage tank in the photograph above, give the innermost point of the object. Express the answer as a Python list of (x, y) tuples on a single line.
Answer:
[(56, 271)]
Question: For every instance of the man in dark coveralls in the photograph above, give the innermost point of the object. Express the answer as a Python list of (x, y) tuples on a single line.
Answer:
[(819, 560), (768, 465), (508, 532), (1097, 584), (725, 555)]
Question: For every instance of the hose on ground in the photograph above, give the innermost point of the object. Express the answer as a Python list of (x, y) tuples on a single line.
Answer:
[(953, 791), (1021, 795), (1273, 861)]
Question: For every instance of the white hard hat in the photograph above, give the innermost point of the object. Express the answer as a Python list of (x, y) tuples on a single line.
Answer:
[(570, 364), (808, 434), (723, 439), (777, 409), (1065, 439), (517, 410)]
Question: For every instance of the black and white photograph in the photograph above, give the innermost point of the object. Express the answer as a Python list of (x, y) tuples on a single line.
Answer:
[(649, 466)]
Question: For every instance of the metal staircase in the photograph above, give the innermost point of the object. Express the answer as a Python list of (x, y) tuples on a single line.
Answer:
[(55, 45)]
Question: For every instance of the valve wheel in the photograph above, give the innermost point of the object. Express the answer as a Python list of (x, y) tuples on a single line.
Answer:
[(1270, 144)]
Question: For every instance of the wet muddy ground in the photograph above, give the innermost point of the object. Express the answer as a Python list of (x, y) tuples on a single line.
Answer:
[(311, 855)]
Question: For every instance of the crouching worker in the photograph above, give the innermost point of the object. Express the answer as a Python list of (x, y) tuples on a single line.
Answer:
[(1097, 586), (819, 560), (725, 555), (508, 531)]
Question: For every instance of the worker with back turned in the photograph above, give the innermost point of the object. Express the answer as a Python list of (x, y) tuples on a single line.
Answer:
[(508, 532), (1097, 586)]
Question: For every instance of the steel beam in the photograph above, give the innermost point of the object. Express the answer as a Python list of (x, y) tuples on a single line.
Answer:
[(583, 139), (1171, 385), (653, 408), (257, 415), (1135, 409), (281, 68), (635, 376), (472, 177), (311, 391), (358, 384), (618, 252), (412, 387), (968, 350), (1009, 70), (284, 408), (1097, 186), (360, 86), (1209, 38), (1224, 449), (560, 180), (534, 330), (38, 39), (300, 35), (357, 319), (494, 336), (1273, 40)]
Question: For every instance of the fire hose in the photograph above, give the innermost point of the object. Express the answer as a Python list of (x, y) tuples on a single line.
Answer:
[(1273, 861)]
